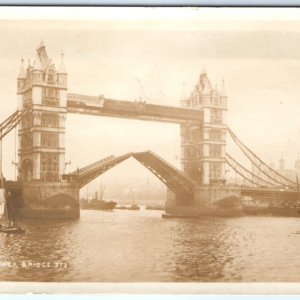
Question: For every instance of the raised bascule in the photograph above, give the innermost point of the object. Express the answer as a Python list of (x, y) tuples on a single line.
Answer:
[(43, 190)]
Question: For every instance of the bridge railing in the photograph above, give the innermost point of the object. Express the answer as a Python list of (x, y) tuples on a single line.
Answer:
[(95, 164)]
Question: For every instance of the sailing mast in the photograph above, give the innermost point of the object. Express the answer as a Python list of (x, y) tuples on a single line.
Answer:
[(101, 192), (4, 217), (298, 200)]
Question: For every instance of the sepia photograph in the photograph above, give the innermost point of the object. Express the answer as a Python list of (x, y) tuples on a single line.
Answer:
[(149, 145)]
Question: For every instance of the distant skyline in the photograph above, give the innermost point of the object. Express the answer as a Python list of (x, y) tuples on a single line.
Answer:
[(260, 63)]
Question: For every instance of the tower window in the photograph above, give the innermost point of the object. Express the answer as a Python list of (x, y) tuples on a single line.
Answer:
[(215, 135), (26, 140), (216, 116), (215, 150), (50, 120), (50, 77), (214, 170), (50, 97), (49, 140), (49, 167)]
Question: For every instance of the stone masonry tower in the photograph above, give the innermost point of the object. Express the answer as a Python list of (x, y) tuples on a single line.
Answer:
[(41, 153), (203, 145), (42, 134)]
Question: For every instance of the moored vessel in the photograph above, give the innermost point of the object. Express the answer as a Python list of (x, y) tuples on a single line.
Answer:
[(96, 204), (155, 207)]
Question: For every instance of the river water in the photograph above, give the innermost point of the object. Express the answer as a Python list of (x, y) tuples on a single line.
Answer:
[(124, 246)]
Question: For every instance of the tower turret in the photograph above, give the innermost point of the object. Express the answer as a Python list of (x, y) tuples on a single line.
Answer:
[(62, 72), (223, 95), (21, 77), (37, 71)]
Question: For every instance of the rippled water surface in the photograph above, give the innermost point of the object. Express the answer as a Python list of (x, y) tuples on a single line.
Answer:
[(122, 246)]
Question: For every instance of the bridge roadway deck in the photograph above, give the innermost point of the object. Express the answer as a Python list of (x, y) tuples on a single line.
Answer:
[(245, 190), (82, 104), (268, 193)]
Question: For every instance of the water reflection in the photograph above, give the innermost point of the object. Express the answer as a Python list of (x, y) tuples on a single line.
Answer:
[(37, 253), (124, 246)]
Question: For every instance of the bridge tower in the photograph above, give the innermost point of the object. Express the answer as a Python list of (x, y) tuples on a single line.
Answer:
[(41, 152), (42, 134), (203, 145)]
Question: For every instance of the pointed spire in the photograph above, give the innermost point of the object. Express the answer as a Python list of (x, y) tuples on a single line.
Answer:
[(62, 69), (37, 64), (22, 73), (203, 69), (223, 90), (206, 90), (206, 84)]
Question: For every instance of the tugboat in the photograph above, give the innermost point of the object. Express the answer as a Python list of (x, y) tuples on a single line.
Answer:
[(97, 203), (133, 206)]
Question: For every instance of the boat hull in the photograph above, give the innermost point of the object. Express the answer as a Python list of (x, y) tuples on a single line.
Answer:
[(98, 205), (12, 230)]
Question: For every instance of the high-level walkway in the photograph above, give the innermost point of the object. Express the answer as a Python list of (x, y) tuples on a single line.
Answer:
[(99, 106)]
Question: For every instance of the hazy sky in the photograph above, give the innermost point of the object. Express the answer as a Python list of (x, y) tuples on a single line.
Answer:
[(259, 61)]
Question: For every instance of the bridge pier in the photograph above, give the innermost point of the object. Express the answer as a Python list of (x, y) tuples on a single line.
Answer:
[(46, 200), (213, 200)]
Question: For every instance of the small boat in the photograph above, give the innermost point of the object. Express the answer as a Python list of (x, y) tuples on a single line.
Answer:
[(5, 229), (155, 207), (120, 207), (168, 216), (133, 207)]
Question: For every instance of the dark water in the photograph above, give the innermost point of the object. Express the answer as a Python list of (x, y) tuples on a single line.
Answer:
[(141, 246)]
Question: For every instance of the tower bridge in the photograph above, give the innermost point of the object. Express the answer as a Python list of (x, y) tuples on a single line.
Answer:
[(45, 190)]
